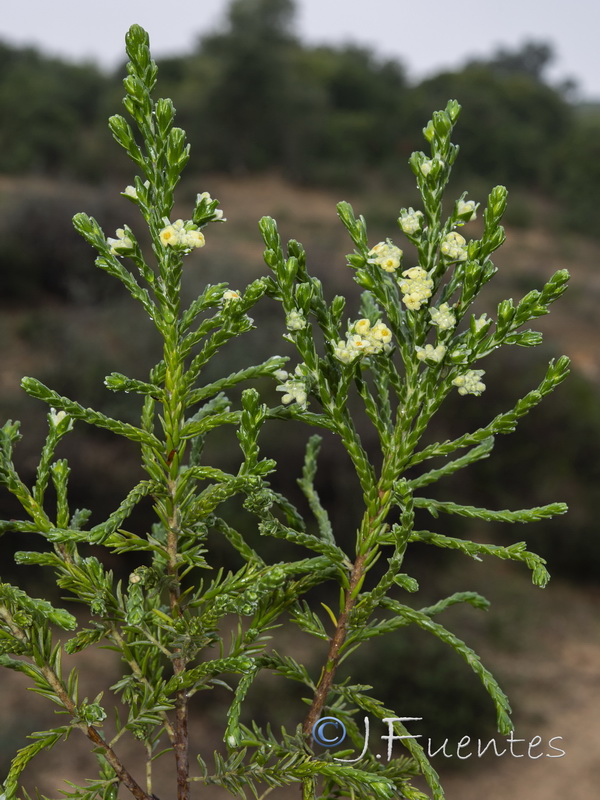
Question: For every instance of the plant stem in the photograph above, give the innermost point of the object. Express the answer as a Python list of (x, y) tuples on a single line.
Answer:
[(335, 644), (149, 768), (180, 741), (181, 744), (94, 736), (174, 417), (112, 758)]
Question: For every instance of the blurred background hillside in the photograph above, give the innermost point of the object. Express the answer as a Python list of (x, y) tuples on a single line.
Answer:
[(281, 127)]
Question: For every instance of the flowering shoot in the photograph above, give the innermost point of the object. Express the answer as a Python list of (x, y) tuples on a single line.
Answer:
[(386, 255)]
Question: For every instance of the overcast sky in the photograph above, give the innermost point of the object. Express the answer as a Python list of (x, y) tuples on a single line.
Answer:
[(426, 36)]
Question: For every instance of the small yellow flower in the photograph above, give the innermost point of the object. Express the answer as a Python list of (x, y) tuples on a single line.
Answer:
[(454, 247), (57, 416), (231, 295), (429, 164), (481, 322), (360, 344), (294, 392), (431, 353), (467, 209), (193, 239), (411, 302), (206, 200), (344, 353), (410, 221), (416, 287), (169, 236), (363, 339), (386, 255), (381, 333), (390, 263), (362, 327), (121, 244), (178, 235), (470, 382), (443, 317), (295, 321)]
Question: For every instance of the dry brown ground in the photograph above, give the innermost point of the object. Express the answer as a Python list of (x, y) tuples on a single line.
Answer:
[(555, 690)]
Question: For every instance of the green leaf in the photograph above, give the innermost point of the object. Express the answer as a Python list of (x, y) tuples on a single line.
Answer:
[(84, 638), (472, 598), (42, 611), (45, 740), (274, 527), (266, 368), (100, 533), (522, 515), (475, 454), (210, 297), (194, 677), (232, 731), (117, 382), (35, 388), (513, 552), (197, 427), (424, 621), (306, 483), (288, 667)]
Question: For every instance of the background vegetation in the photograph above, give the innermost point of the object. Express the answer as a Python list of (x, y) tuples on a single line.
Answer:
[(252, 97)]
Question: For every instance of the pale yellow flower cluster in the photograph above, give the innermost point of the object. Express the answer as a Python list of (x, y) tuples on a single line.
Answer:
[(121, 244), (386, 255), (429, 164), (179, 234), (443, 317), (454, 247), (295, 321), (293, 386), (410, 221), (481, 321), (364, 340), (416, 287), (217, 214), (231, 296), (131, 191), (431, 353), (57, 416), (466, 209), (470, 382), (295, 392)]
